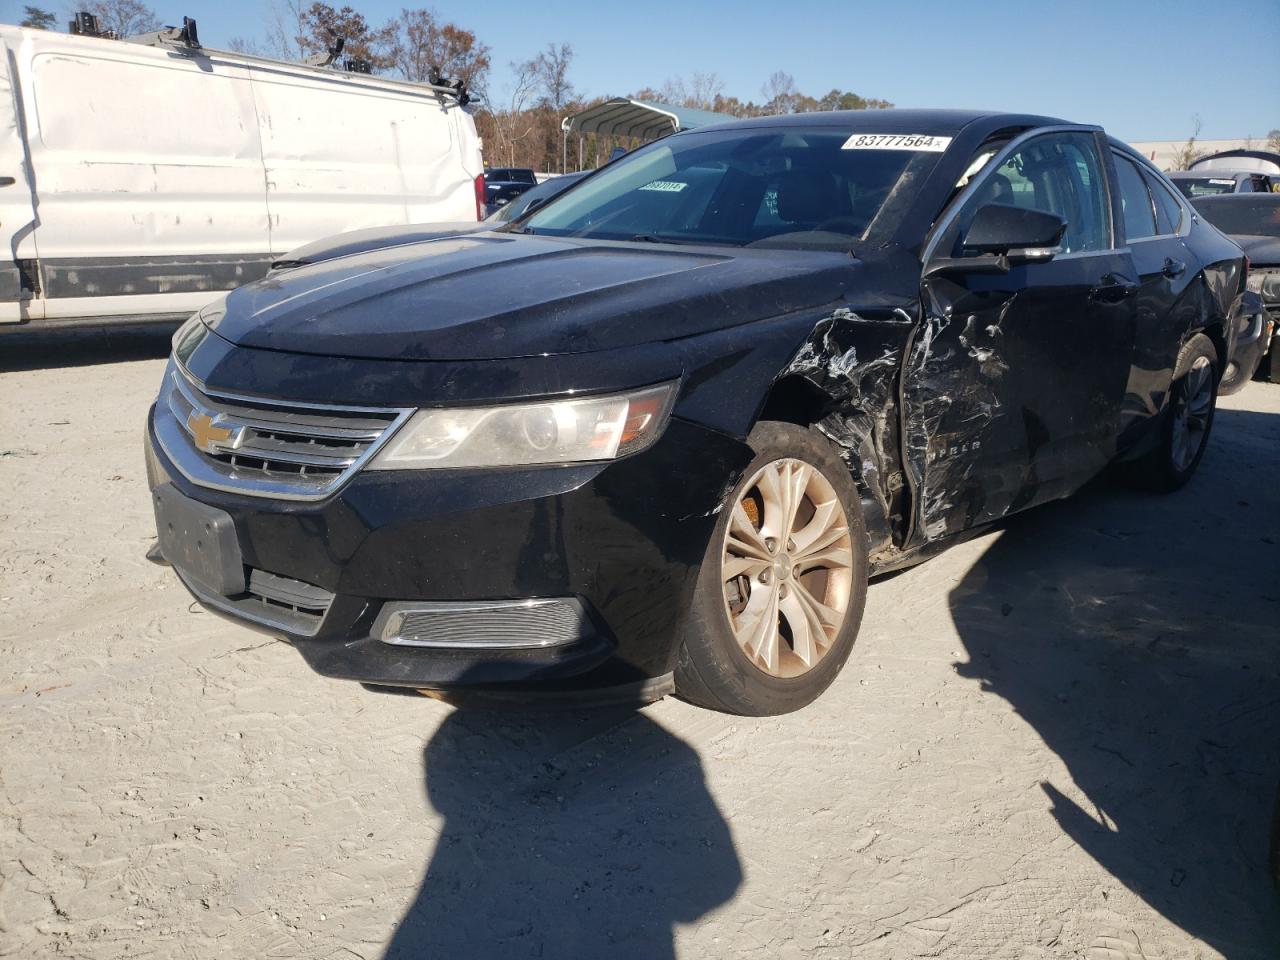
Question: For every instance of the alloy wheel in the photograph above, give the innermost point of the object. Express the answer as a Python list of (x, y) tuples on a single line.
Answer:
[(787, 568), (1192, 407)]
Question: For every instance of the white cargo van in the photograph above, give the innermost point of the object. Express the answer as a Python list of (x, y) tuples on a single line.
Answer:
[(137, 179)]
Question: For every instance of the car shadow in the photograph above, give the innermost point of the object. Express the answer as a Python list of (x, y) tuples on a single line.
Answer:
[(78, 344), (1140, 637), (586, 833)]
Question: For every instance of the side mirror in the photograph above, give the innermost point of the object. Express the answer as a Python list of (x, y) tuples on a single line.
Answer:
[(1018, 233), (1000, 236)]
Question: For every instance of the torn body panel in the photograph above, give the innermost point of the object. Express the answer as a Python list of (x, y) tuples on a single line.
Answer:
[(855, 359), (1012, 391)]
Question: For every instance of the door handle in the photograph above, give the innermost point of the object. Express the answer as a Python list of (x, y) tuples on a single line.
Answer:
[(7, 181), (1112, 289), (1173, 268)]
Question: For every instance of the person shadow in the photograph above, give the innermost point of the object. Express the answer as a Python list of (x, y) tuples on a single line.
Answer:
[(566, 834), (1140, 637)]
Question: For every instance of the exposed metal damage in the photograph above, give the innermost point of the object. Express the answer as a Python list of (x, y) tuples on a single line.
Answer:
[(863, 419), (909, 409), (951, 396)]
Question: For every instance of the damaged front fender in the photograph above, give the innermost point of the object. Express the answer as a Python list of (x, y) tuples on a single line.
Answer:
[(853, 360)]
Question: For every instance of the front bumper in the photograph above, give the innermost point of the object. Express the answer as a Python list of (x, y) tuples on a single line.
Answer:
[(624, 540)]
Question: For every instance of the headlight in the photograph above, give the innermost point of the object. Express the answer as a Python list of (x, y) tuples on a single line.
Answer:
[(188, 337), (1265, 283), (561, 431)]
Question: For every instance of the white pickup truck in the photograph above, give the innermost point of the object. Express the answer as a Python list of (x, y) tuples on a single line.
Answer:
[(139, 179)]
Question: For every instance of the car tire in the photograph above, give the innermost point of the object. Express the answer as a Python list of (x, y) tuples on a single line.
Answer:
[(720, 665), (1234, 379), (1187, 422)]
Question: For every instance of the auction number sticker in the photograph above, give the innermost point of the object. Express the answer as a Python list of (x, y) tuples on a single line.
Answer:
[(897, 141), (665, 186)]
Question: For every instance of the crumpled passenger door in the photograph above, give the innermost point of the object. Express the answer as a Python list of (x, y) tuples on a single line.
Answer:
[(1013, 386)]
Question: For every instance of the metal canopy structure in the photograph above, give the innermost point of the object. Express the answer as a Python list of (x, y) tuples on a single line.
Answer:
[(641, 119)]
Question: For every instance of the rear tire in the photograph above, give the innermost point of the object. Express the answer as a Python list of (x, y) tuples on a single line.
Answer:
[(1187, 422), (1234, 379), (752, 582)]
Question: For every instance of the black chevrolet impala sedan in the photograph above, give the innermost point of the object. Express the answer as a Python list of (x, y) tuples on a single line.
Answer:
[(655, 436)]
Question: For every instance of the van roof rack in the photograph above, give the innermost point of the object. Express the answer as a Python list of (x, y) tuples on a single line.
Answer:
[(183, 36), (186, 38), (85, 24)]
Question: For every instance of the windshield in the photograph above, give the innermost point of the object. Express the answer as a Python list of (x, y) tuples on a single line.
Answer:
[(1254, 218), (783, 187), (543, 191), (1204, 186)]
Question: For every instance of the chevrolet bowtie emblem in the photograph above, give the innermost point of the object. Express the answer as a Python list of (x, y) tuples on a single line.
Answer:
[(207, 434)]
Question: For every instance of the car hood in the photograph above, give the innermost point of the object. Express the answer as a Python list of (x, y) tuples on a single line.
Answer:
[(372, 238), (494, 296)]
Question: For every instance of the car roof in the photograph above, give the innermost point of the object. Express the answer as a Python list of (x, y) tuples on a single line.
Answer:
[(903, 121)]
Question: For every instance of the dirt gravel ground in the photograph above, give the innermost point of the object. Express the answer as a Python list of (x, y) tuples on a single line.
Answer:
[(1061, 739)]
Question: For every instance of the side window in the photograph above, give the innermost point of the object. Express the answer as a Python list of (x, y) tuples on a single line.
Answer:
[(1057, 173), (1168, 210), (1135, 201)]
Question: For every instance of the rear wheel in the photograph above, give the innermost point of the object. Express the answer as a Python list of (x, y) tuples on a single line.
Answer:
[(1193, 399), (783, 581), (1234, 379)]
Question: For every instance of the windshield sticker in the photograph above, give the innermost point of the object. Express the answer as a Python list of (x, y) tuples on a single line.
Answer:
[(1225, 183), (665, 186), (897, 141)]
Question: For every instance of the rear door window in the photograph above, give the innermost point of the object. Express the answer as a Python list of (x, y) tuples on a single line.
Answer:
[(1169, 211), (1135, 200)]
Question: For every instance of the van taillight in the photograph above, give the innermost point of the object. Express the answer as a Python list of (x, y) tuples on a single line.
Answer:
[(480, 197)]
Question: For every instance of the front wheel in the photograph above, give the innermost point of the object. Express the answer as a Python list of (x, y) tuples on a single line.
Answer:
[(783, 582), (1184, 434)]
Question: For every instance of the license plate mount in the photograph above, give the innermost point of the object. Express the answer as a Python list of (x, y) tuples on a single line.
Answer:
[(199, 541)]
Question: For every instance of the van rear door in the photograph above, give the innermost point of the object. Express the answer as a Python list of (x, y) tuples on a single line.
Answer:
[(17, 210)]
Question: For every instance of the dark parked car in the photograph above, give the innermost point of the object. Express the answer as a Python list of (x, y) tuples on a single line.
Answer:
[(657, 435), (1253, 222), (511, 175), (504, 184), (1206, 183), (534, 197)]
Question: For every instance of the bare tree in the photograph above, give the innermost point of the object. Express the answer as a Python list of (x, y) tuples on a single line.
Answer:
[(514, 122), (284, 38), (700, 92), (124, 18), (779, 93), (551, 72), (1189, 153), (1273, 141), (424, 43), (245, 45), (704, 88)]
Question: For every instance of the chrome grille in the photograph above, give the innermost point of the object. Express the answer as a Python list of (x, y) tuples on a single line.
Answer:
[(266, 447)]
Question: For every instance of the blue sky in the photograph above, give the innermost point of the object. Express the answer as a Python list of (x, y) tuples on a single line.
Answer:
[(1142, 69)]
